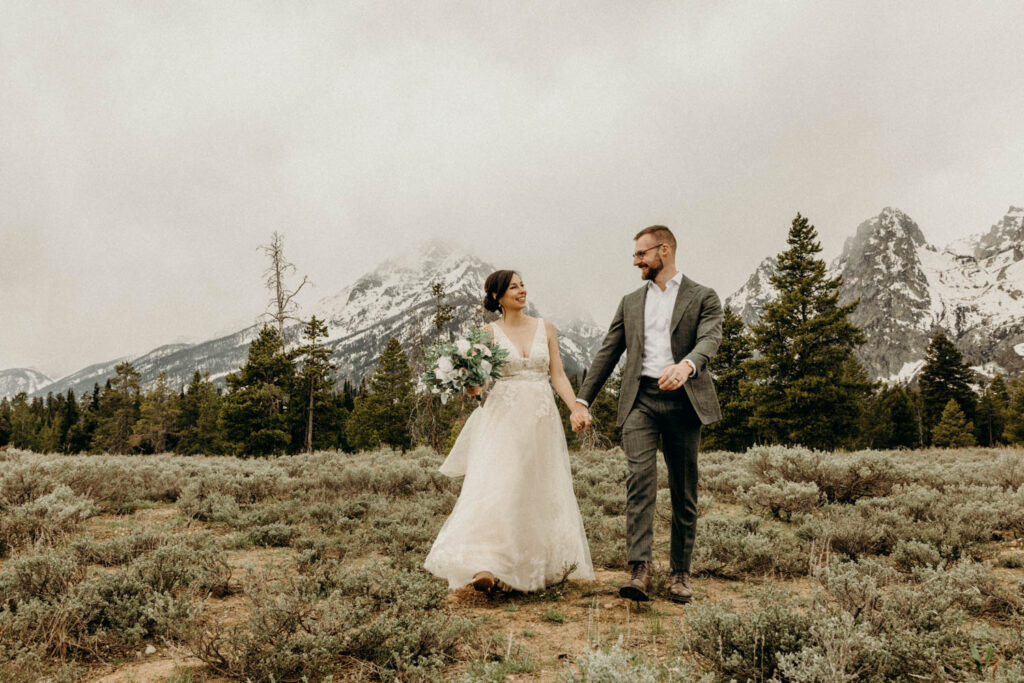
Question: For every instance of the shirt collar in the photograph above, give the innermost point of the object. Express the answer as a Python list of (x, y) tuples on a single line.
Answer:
[(677, 279)]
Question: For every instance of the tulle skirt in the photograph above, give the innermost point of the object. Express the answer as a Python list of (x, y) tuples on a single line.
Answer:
[(516, 515)]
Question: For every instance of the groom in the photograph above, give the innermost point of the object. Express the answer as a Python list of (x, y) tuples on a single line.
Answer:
[(669, 328)]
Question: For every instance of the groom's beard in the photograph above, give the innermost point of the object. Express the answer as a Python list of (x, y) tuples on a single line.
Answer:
[(651, 272)]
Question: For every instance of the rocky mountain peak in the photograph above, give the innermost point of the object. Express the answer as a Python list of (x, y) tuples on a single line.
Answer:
[(908, 289), (1006, 235)]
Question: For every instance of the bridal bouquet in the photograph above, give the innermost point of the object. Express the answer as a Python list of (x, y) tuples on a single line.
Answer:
[(467, 361)]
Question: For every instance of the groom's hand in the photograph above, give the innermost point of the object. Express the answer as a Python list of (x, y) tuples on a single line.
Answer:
[(580, 418), (674, 376)]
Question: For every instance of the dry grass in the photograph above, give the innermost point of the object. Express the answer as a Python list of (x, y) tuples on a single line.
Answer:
[(310, 566)]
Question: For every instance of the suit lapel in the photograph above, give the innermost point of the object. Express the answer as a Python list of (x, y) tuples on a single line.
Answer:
[(687, 290), (637, 304)]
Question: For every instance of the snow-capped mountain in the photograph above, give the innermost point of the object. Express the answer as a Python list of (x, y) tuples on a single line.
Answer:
[(910, 289), (394, 299), (16, 380)]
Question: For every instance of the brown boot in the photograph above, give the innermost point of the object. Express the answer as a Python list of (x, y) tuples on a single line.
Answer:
[(680, 590), (487, 582), (484, 582), (639, 584)]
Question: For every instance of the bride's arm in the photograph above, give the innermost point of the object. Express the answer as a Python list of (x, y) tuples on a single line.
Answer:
[(559, 380)]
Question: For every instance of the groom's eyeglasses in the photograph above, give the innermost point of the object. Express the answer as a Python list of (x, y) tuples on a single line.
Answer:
[(642, 252)]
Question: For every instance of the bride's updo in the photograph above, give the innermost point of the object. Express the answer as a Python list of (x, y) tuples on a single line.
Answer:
[(495, 287)]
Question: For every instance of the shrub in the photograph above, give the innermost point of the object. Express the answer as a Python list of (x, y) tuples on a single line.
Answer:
[(44, 519), (909, 555), (731, 547), (746, 644), (782, 500), (380, 618)]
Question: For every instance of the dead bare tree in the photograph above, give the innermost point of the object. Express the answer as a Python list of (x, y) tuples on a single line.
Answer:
[(282, 300)]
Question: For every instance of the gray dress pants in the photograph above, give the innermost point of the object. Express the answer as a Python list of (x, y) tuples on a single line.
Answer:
[(670, 416)]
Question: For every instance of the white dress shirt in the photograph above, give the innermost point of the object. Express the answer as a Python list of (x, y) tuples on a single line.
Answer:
[(657, 318), (657, 337)]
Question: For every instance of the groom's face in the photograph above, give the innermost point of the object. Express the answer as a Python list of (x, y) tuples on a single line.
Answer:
[(650, 263)]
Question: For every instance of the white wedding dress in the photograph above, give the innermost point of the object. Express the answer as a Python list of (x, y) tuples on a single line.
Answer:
[(516, 515)]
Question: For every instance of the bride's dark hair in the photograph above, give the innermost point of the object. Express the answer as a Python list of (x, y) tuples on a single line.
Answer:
[(495, 287)]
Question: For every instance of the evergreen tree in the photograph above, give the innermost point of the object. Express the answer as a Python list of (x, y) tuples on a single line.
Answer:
[(253, 414), (23, 422), (732, 432), (990, 419), (432, 420), (198, 427), (889, 420), (313, 406), (119, 410), (81, 435), (68, 420), (944, 376), (953, 429), (1013, 432), (158, 415), (383, 414), (807, 386), (5, 421)]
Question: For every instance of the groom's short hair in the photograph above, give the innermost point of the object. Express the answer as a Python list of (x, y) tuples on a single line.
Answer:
[(659, 233)]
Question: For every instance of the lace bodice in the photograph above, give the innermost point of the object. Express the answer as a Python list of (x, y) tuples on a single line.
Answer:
[(534, 366)]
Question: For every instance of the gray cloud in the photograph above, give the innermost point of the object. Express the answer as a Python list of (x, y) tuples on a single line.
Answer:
[(149, 148)]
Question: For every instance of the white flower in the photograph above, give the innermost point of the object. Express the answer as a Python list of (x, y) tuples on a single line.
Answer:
[(463, 346), (485, 368), (463, 373), (445, 365), (483, 349)]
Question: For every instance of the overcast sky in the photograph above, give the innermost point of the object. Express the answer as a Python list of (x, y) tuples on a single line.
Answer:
[(148, 148)]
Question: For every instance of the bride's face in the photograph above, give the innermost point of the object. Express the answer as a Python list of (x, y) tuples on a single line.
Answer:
[(514, 298)]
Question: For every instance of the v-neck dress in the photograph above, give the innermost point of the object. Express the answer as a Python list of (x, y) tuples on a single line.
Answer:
[(516, 515)]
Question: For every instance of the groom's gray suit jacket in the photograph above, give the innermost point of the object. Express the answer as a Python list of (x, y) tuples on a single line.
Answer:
[(696, 329)]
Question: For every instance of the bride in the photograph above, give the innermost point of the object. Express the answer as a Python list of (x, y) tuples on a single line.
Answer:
[(516, 524)]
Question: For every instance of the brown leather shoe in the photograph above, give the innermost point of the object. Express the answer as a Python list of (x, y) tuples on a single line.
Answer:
[(680, 590), (484, 581), (639, 584), (487, 582)]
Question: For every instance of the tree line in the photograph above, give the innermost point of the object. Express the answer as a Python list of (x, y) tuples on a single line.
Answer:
[(791, 378)]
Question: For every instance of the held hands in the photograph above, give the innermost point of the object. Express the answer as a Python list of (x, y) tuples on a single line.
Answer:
[(580, 418), (674, 376)]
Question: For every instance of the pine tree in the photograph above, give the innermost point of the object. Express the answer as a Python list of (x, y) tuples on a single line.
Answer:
[(944, 376), (158, 416), (1013, 432), (807, 386), (953, 429), (382, 415), (119, 410), (83, 432), (5, 421), (990, 418), (199, 430), (312, 405), (732, 432), (432, 420), (253, 412), (23, 422), (889, 420), (68, 420)]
